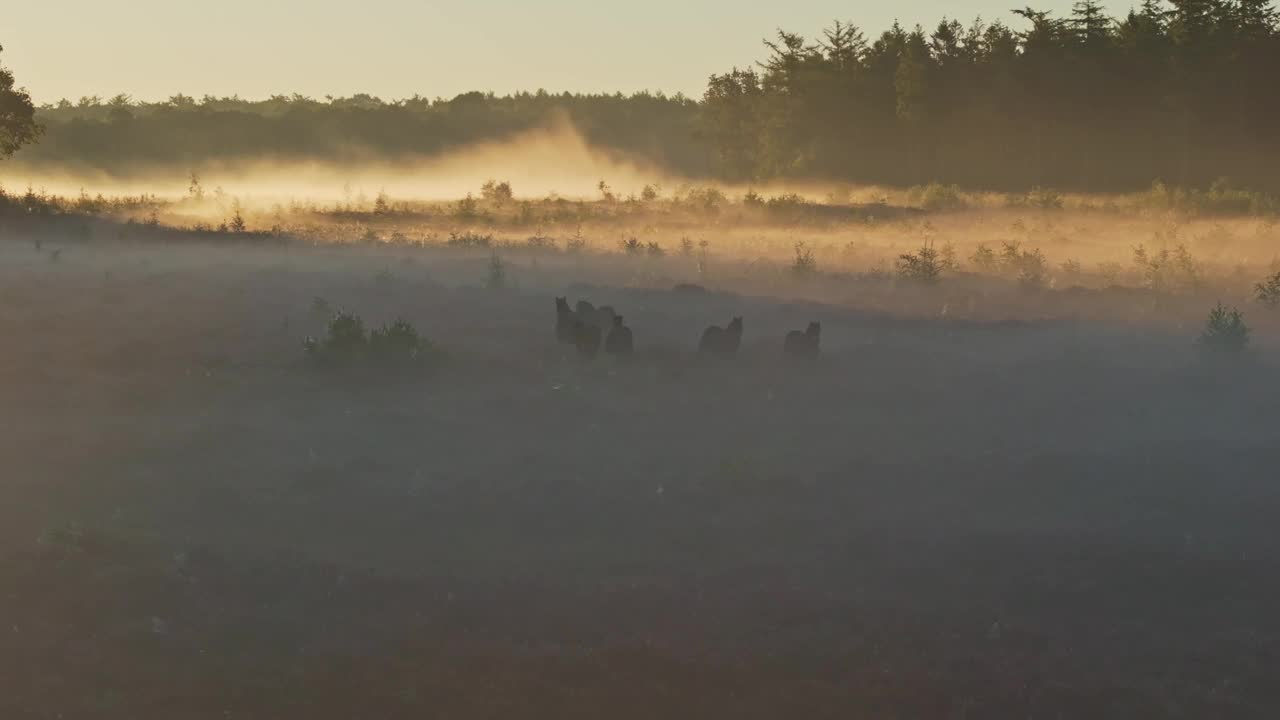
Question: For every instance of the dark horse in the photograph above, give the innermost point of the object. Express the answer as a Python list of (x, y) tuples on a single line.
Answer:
[(723, 341)]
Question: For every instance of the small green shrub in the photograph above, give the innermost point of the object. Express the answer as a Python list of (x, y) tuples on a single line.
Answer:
[(984, 258), (923, 266), (467, 208), (804, 264), (786, 204), (1268, 291), (936, 196), (344, 343), (1037, 198), (1167, 271), (707, 200), (1225, 331), (347, 344), (469, 239), (397, 344)]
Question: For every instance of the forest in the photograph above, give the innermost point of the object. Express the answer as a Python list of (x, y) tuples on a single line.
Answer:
[(1180, 91)]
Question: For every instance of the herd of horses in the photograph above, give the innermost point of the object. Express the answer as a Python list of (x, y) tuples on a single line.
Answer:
[(589, 329)]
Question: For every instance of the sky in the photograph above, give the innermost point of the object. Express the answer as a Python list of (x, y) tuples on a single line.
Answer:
[(152, 49)]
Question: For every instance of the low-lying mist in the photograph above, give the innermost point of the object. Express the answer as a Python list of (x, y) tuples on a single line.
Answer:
[(553, 159)]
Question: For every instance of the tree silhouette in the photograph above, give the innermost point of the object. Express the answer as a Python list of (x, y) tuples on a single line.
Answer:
[(17, 116)]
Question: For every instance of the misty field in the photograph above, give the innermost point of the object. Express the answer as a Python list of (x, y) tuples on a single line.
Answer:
[(1022, 489)]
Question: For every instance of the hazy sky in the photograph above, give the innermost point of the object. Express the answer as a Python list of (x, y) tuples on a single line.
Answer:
[(152, 49)]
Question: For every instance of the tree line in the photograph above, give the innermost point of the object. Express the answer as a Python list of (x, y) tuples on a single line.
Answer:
[(1183, 90), (121, 136), (1177, 90)]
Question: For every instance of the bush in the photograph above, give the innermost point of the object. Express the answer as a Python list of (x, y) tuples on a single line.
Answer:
[(924, 265), (1225, 331), (1268, 292), (1222, 198), (804, 263), (498, 193), (653, 249), (467, 208), (707, 200), (397, 344), (1165, 271), (540, 242), (936, 196), (787, 204), (346, 343), (632, 246), (649, 193), (469, 239), (1038, 198), (984, 258)]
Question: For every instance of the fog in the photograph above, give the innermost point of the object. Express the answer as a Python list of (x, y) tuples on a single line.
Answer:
[(987, 480)]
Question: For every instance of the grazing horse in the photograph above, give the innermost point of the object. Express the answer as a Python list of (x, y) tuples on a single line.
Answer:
[(803, 345), (587, 339), (722, 341), (620, 341), (565, 320)]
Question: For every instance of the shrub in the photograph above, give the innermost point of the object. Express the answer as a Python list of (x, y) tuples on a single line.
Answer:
[(496, 278), (606, 193), (936, 196), (498, 193), (237, 220), (1029, 267), (686, 246), (1268, 291), (469, 239), (381, 204), (1038, 198), (924, 265), (804, 263), (467, 208), (786, 204), (344, 343), (984, 258), (1166, 271), (576, 244), (707, 200), (1222, 197), (632, 246), (397, 344), (752, 199), (1225, 331), (653, 249), (539, 241), (649, 193)]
